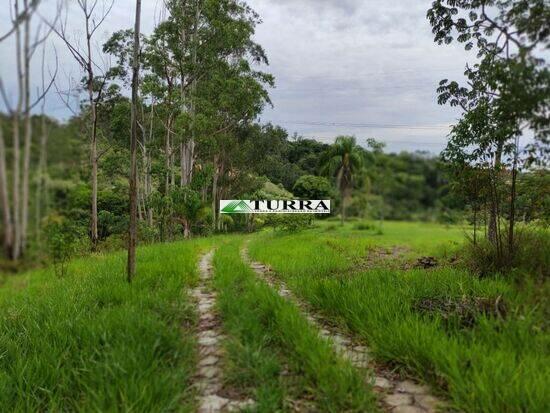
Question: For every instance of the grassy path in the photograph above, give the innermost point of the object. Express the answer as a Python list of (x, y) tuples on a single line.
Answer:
[(275, 356), (209, 378), (397, 396)]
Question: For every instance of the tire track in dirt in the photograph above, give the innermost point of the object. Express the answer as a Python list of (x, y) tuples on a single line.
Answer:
[(209, 376), (395, 395)]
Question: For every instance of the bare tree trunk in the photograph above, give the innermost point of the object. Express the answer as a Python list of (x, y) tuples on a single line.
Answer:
[(132, 231), (183, 97), (343, 214), (94, 235), (41, 184), (172, 170), (183, 166), (16, 147), (187, 161), (186, 229), (139, 201), (492, 231), (187, 148), (85, 60), (4, 199), (513, 203), (215, 192), (167, 152), (149, 191), (147, 185), (15, 190), (28, 133)]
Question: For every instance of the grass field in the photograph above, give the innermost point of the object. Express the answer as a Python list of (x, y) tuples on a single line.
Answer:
[(90, 342), (494, 365)]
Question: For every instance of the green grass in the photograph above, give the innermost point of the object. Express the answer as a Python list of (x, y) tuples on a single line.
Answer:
[(91, 342), (269, 334), (496, 366), (423, 237)]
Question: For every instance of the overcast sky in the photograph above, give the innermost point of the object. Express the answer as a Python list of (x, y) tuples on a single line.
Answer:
[(367, 68)]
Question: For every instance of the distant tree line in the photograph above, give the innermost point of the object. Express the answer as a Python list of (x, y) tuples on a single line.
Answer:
[(197, 92)]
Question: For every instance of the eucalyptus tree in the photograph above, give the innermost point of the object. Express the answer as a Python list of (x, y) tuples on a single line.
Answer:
[(132, 230), (344, 161), (506, 94), (185, 20), (93, 13), (198, 71), (231, 92), (28, 39)]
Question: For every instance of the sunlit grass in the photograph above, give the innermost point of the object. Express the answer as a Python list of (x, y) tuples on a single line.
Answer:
[(91, 342), (495, 366), (268, 333)]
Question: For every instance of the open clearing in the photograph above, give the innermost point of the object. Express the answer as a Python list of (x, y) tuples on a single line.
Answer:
[(313, 330)]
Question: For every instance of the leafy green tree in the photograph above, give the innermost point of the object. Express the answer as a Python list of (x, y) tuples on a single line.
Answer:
[(344, 160), (507, 90), (63, 238), (312, 187), (187, 204)]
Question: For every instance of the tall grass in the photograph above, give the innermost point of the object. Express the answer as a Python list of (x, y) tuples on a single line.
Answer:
[(91, 342), (497, 365), (270, 334), (530, 257)]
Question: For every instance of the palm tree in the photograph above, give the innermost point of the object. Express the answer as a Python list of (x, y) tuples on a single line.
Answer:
[(343, 160)]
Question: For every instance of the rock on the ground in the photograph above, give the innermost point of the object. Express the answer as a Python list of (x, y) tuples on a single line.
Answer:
[(382, 382), (212, 404), (408, 386), (398, 399), (408, 409), (428, 402)]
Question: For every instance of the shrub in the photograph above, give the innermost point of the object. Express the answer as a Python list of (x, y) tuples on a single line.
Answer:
[(312, 187), (531, 254), (364, 226), (289, 222), (63, 238)]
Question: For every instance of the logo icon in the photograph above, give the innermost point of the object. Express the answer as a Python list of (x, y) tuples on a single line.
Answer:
[(275, 206), (236, 207)]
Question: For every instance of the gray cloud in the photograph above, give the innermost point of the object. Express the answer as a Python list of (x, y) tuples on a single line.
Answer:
[(370, 61), (335, 61)]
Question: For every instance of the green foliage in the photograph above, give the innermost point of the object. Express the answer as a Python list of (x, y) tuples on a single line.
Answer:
[(312, 187), (343, 160), (364, 226), (531, 258), (63, 239), (271, 191), (534, 196), (186, 203), (289, 222)]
